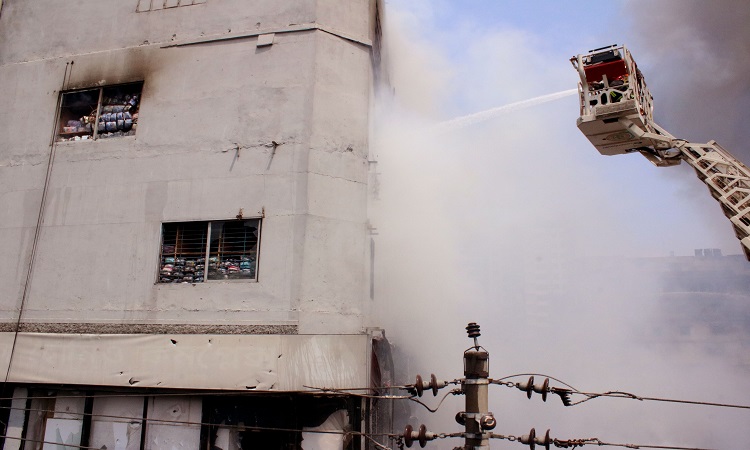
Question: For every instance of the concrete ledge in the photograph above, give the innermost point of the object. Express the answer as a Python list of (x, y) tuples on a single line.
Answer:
[(143, 328)]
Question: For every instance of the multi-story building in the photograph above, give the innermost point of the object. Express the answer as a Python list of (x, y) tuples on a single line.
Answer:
[(183, 212), (703, 308)]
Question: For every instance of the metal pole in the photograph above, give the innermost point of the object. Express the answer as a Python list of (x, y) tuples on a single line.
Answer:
[(476, 381)]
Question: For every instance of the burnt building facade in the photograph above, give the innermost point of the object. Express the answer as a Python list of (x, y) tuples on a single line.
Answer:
[(183, 213)]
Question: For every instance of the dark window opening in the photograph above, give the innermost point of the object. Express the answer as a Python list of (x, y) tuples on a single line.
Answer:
[(100, 113), (272, 422), (189, 256)]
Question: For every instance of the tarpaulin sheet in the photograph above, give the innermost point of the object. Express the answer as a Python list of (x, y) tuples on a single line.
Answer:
[(259, 362)]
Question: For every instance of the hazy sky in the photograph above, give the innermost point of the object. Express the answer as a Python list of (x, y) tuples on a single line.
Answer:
[(512, 222)]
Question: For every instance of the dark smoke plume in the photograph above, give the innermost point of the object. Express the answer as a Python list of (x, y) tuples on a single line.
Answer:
[(696, 58)]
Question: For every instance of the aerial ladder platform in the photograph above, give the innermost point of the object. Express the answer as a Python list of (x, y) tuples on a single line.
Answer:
[(616, 115)]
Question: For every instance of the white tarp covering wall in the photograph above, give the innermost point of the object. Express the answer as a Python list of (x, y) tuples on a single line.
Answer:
[(116, 423), (175, 423), (63, 430), (259, 362)]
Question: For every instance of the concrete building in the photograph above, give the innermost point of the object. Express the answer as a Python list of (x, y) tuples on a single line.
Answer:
[(703, 308), (183, 211)]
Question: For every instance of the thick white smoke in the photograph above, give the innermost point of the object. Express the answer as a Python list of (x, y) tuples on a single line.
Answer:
[(517, 224)]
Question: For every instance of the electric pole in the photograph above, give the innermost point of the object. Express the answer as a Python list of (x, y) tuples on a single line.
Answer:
[(476, 419)]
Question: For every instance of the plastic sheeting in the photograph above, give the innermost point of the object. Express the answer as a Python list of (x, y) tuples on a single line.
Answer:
[(338, 421), (247, 362), (62, 434), (116, 423)]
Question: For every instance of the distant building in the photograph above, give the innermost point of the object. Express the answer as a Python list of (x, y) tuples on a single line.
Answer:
[(183, 212), (704, 307)]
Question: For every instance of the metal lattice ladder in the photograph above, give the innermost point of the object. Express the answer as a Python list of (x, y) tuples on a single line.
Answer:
[(727, 179)]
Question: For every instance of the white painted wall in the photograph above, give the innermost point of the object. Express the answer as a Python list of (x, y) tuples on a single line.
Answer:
[(97, 254)]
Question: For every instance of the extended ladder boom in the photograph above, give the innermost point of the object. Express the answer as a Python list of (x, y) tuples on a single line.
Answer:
[(616, 115), (727, 179)]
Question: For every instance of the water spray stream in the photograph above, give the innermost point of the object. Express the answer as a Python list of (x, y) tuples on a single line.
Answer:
[(475, 118)]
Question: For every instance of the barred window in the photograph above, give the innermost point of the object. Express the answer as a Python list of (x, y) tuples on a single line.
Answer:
[(99, 113), (193, 252)]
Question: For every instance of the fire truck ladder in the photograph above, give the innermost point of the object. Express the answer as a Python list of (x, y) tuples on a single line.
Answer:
[(727, 179)]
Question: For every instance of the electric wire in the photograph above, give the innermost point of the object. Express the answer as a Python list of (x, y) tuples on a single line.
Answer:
[(622, 394), (211, 393), (573, 443), (152, 420), (371, 388), (343, 433), (377, 444), (40, 217), (569, 443), (38, 441), (11, 408), (627, 395), (454, 392), (370, 436), (232, 393), (347, 391)]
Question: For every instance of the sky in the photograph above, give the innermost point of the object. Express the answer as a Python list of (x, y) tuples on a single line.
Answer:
[(518, 223)]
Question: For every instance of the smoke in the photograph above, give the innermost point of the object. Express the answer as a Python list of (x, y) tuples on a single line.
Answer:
[(698, 55), (695, 57), (515, 223)]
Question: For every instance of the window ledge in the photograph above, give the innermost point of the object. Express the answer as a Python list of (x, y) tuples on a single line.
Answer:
[(97, 140), (208, 282)]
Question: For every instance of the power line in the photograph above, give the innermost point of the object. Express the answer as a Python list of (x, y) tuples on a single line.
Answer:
[(573, 443), (560, 443), (214, 393), (618, 394), (38, 441), (453, 392), (189, 423), (563, 392)]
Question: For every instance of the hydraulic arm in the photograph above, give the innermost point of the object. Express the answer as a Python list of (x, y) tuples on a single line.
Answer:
[(616, 115)]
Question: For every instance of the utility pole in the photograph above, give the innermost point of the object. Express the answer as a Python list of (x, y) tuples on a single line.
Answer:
[(476, 419)]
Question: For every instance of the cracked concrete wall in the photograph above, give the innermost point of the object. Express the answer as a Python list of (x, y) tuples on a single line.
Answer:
[(202, 151)]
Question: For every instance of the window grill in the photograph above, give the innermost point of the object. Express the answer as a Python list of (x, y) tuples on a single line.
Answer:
[(233, 250), (188, 256)]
